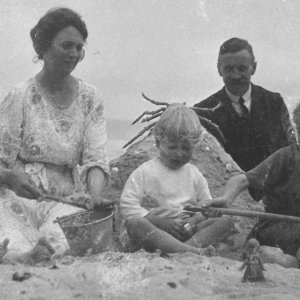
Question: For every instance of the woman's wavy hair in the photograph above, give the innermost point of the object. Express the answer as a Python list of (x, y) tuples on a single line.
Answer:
[(56, 19)]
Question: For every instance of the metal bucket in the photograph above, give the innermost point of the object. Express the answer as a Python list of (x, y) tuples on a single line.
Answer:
[(88, 232)]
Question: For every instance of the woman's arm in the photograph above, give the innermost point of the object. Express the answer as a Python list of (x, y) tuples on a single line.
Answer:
[(233, 187), (95, 169), (96, 180), (11, 120)]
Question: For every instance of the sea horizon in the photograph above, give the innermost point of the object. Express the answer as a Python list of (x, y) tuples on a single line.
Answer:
[(119, 132)]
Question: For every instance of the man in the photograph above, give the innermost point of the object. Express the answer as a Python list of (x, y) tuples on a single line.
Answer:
[(254, 121)]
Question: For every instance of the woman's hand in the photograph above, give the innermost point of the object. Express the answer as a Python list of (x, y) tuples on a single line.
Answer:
[(22, 185), (215, 202), (83, 199), (89, 202), (210, 204)]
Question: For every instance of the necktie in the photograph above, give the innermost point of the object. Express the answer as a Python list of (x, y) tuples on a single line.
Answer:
[(244, 109)]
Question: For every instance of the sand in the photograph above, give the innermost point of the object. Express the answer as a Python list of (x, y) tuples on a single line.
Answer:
[(141, 275)]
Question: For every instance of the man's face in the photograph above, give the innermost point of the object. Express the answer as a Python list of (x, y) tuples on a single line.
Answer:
[(236, 70)]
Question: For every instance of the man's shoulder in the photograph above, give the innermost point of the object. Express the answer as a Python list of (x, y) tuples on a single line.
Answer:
[(261, 92), (212, 100)]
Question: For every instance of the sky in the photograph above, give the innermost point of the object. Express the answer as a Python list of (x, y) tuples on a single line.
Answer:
[(165, 48)]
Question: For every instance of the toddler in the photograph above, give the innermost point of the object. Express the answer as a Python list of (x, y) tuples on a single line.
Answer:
[(155, 193)]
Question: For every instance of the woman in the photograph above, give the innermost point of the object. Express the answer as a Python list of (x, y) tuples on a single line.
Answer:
[(52, 139), (277, 177)]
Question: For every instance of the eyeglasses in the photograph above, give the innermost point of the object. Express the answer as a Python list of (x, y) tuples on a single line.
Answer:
[(68, 46)]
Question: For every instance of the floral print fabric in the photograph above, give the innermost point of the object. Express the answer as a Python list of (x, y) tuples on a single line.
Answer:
[(56, 147), (51, 142)]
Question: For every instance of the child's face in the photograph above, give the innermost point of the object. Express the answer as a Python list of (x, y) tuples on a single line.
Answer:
[(175, 153)]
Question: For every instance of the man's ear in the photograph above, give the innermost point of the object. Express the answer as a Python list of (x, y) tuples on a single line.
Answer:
[(254, 64), (219, 69)]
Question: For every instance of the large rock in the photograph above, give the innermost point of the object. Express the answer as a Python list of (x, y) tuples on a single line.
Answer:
[(215, 164)]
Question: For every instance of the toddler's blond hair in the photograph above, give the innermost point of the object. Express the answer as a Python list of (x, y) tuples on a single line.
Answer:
[(178, 121)]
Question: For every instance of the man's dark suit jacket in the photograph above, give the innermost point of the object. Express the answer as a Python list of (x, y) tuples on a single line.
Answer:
[(250, 140)]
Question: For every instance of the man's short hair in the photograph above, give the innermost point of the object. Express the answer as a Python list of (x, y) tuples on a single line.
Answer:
[(234, 45)]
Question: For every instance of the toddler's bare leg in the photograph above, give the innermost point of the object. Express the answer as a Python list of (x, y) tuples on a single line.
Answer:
[(212, 231), (151, 237)]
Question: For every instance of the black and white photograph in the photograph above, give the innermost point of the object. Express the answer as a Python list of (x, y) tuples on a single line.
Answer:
[(149, 149)]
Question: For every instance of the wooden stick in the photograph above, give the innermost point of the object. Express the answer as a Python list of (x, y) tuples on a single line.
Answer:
[(155, 102), (97, 206), (245, 213), (154, 116), (46, 197), (139, 134)]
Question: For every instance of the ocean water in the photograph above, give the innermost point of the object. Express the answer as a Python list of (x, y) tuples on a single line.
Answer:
[(119, 132)]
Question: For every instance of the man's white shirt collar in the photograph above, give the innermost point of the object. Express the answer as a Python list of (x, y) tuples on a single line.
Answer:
[(246, 97)]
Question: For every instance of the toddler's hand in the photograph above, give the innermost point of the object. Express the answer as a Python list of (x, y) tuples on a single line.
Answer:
[(173, 227)]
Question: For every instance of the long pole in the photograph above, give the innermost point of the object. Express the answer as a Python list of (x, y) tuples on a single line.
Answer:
[(245, 213)]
